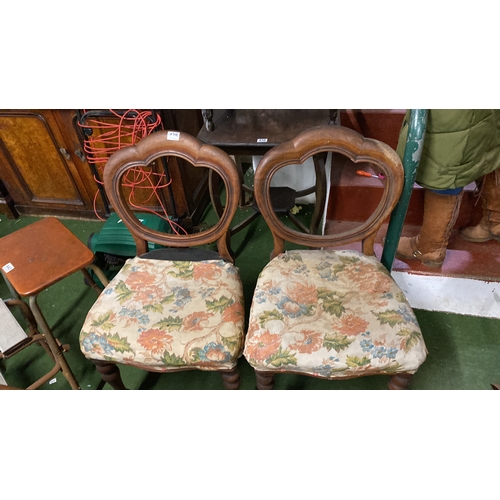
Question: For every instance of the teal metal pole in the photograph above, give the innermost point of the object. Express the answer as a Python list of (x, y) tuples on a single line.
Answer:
[(411, 160)]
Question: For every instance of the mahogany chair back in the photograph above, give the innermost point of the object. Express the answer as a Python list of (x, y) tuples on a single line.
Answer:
[(182, 145), (335, 139)]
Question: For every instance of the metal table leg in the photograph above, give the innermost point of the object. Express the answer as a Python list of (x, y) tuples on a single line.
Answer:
[(52, 343)]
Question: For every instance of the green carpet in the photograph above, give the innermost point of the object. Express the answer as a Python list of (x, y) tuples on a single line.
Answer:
[(464, 351)]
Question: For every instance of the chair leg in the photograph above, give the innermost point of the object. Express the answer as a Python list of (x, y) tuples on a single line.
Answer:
[(110, 373), (264, 380), (231, 380), (400, 381), (90, 281)]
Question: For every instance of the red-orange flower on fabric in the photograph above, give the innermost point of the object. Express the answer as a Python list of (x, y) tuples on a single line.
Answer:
[(233, 313), (252, 328), (205, 271), (140, 279), (194, 321), (352, 325), (302, 294), (263, 346), (310, 342), (358, 271), (155, 340), (216, 354), (380, 285), (268, 285), (148, 295), (368, 279)]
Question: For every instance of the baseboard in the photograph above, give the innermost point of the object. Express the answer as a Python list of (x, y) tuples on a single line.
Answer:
[(472, 297)]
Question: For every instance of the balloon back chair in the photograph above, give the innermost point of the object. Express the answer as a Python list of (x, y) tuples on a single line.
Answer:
[(326, 312), (176, 307)]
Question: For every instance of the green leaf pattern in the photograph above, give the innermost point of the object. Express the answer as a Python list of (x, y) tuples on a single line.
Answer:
[(218, 305), (336, 341), (390, 317), (273, 315), (169, 324), (282, 358)]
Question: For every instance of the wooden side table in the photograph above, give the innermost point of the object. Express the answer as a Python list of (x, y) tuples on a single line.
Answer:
[(37, 256)]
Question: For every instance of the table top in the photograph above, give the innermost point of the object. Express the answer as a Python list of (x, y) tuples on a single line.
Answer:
[(255, 131), (37, 256)]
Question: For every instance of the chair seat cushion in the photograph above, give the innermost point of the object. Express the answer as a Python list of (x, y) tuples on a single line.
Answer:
[(331, 314), (168, 315)]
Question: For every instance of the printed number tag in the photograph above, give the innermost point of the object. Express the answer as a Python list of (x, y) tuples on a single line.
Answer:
[(261, 140), (8, 267), (173, 136)]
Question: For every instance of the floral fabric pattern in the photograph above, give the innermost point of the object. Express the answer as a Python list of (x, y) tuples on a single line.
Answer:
[(167, 315), (331, 314)]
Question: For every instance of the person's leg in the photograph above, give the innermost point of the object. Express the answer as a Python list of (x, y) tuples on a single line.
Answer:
[(440, 214), (489, 225)]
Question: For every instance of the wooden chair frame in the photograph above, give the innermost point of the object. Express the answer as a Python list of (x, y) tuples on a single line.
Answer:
[(335, 139), (187, 147), (198, 154)]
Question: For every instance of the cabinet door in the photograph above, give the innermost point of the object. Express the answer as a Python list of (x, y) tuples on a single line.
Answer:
[(37, 167), (73, 139), (44, 169)]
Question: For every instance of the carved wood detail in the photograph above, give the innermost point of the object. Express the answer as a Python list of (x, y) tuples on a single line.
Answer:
[(199, 155), (231, 380), (400, 381), (336, 139), (264, 380), (110, 373)]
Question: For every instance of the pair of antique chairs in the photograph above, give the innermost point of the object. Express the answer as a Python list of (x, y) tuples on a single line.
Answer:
[(317, 311)]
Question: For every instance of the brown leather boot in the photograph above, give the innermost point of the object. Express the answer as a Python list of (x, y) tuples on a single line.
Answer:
[(489, 225), (429, 246)]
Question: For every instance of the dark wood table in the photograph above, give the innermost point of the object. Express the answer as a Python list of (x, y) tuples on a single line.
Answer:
[(253, 132)]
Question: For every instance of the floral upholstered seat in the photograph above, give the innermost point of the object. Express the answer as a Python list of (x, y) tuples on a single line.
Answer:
[(180, 306), (165, 315), (331, 314), (323, 309)]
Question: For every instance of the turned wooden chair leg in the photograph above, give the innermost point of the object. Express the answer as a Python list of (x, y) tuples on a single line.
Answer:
[(110, 374), (264, 380), (400, 381), (231, 380)]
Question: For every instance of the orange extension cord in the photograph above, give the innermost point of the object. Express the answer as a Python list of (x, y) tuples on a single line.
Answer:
[(128, 131)]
